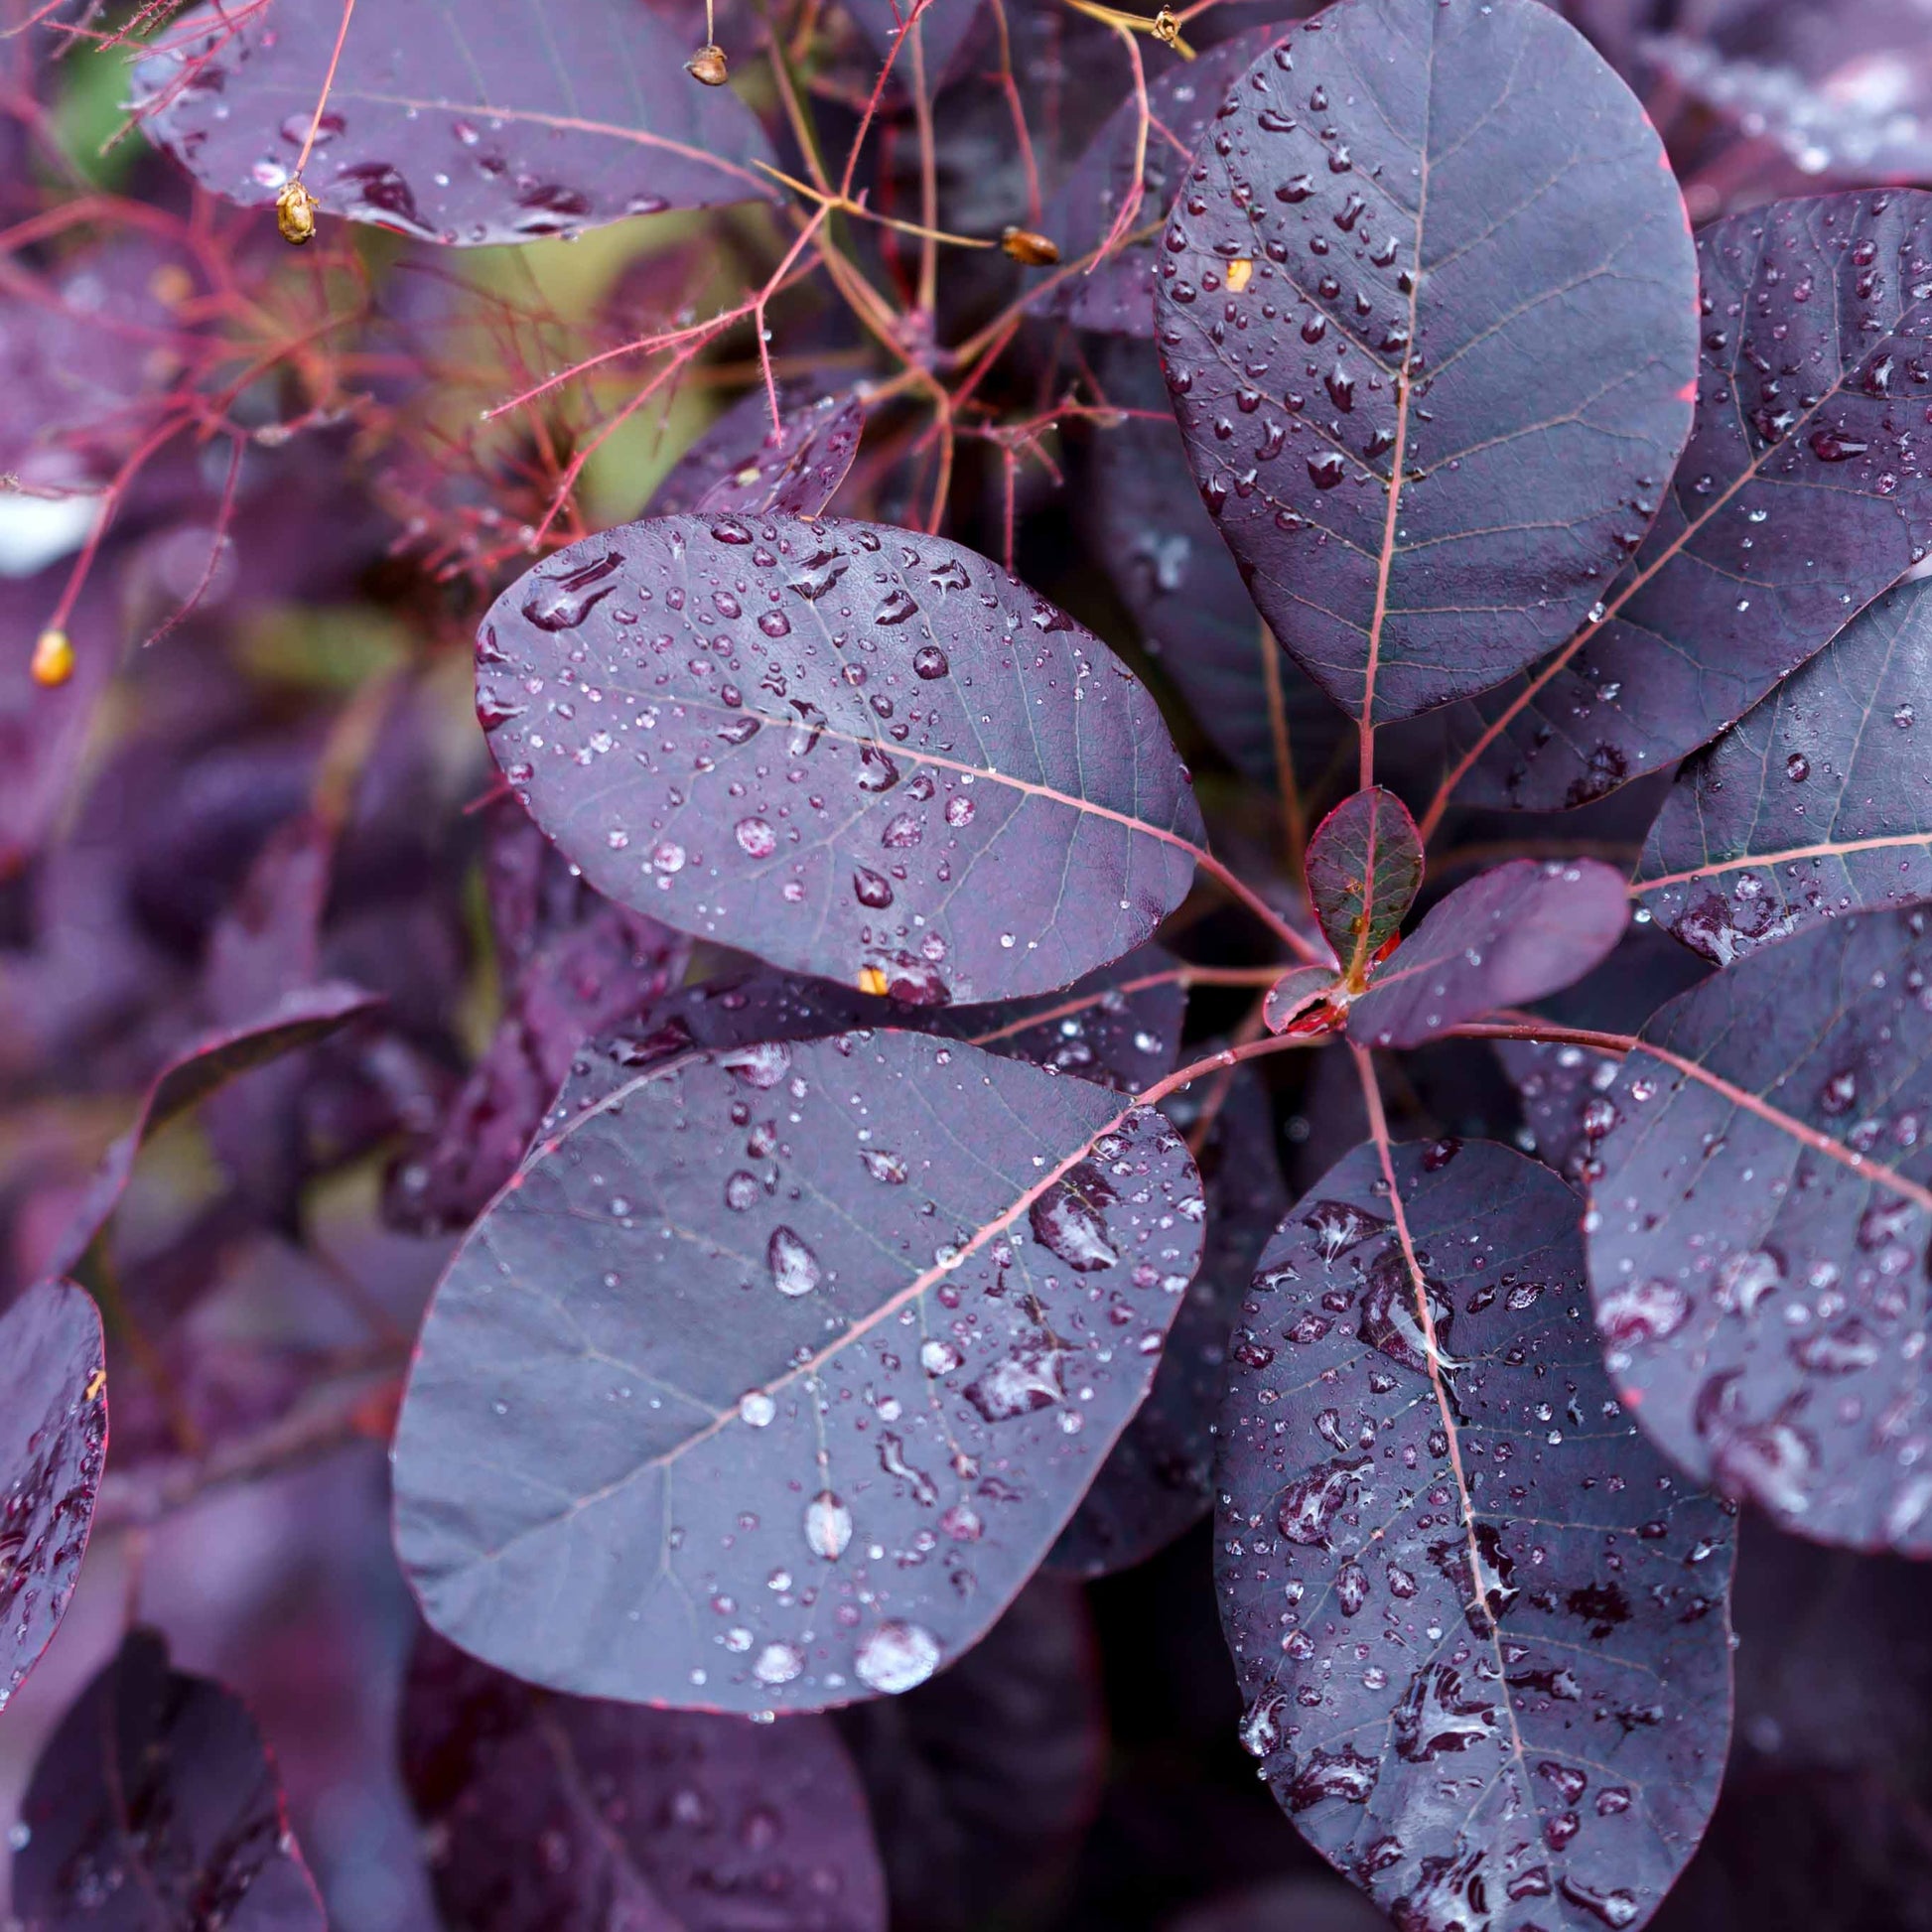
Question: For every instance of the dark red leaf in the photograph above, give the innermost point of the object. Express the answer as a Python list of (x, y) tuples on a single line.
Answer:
[(1817, 801), (741, 463), (1481, 1625), (1364, 866), (855, 751), (1511, 935), (862, 1316), (1291, 995), (1760, 1230), (1800, 498), (550, 1811), (53, 1447), (155, 1808), (1467, 193), (516, 118)]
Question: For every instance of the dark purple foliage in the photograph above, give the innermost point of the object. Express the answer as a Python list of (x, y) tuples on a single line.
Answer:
[(1364, 865), (1480, 1626), (547, 1809), (155, 1808), (53, 1447), (1428, 312), (743, 465)]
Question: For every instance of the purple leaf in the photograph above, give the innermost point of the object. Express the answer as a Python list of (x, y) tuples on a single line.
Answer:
[(1450, 1565), (855, 751), (1567, 1109), (297, 1020), (1364, 868), (943, 28), (742, 464), (53, 1447), (155, 1808), (516, 118), (1759, 1232), (1116, 296), (1159, 1482), (1513, 933), (787, 1312), (1817, 801), (546, 1810), (1800, 498), (1291, 995), (1423, 415)]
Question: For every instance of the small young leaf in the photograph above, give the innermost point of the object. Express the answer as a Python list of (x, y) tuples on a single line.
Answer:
[(1364, 865), (787, 1312), (741, 463), (1818, 802), (855, 751), (1448, 1562), (155, 1808), (555, 1811), (52, 1448), (1514, 933), (1800, 498), (1428, 310), (1758, 1233), (1291, 995), (512, 119)]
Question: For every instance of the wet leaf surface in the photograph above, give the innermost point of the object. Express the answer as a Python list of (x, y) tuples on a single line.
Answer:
[(1159, 1482), (1364, 868), (1291, 996), (774, 1377), (743, 465), (1800, 498), (1469, 192), (1817, 801), (1511, 935), (490, 122), (1758, 1235), (1481, 1625), (856, 751), (155, 1808), (52, 1448), (547, 1809)]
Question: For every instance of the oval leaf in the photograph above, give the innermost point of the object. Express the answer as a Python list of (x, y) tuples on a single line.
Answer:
[(53, 1450), (1515, 933), (1364, 866), (1291, 995), (155, 1808), (1481, 1625), (864, 1314), (856, 751), (1818, 802), (1801, 497), (743, 465), (1760, 1230), (515, 118), (1427, 309), (543, 1810)]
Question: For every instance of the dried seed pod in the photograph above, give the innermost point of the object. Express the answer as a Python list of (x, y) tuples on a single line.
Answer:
[(295, 214), (53, 661), (1036, 251), (1166, 28), (709, 66)]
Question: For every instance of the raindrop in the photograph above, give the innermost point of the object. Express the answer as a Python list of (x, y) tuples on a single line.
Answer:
[(897, 1657), (794, 1267)]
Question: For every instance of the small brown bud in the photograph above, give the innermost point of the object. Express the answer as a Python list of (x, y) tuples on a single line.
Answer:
[(53, 661), (1165, 29), (295, 214), (708, 65), (1036, 251)]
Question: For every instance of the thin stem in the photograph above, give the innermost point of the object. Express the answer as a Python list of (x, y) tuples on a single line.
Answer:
[(328, 81), (1295, 820), (928, 288)]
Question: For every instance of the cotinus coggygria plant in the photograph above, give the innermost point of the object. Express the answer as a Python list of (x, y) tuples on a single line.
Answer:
[(1339, 1044)]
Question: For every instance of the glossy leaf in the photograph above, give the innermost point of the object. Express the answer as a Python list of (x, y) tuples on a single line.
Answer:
[(1758, 1233), (1481, 1625), (545, 1810), (1426, 308), (499, 122), (1817, 801), (52, 1448), (787, 1312), (1511, 935), (855, 751), (742, 464), (1293, 994), (1800, 498), (1114, 295), (155, 1808), (1567, 1110), (1364, 866)]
